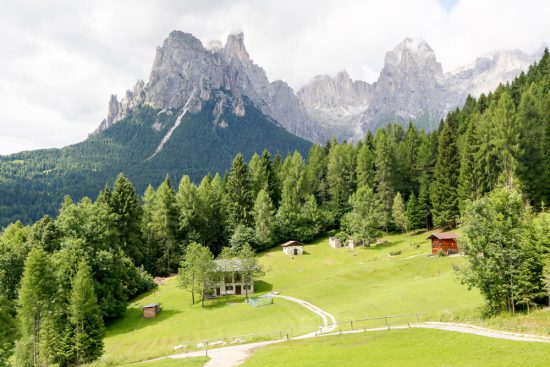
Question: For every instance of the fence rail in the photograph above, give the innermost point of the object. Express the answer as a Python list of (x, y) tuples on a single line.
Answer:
[(354, 324)]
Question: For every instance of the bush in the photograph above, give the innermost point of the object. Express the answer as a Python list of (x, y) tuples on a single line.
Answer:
[(440, 253), (395, 253)]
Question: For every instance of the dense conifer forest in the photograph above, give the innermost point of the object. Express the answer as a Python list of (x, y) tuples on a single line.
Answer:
[(486, 168)]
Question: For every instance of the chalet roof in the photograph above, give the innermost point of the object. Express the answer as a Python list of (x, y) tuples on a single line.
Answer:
[(228, 265), (292, 243), (151, 305), (443, 236)]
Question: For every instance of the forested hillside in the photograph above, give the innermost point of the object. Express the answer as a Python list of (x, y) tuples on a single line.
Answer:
[(33, 183), (487, 167)]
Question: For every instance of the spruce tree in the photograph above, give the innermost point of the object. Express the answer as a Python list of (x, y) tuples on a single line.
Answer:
[(469, 174), (125, 204), (164, 227), (211, 229), (151, 248), (85, 316), (189, 210), (264, 219), (316, 173), (366, 218), (444, 190), (38, 288), (384, 179), (238, 201), (8, 331), (366, 169), (415, 214), (341, 177)]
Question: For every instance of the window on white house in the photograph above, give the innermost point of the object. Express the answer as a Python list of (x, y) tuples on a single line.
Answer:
[(229, 288)]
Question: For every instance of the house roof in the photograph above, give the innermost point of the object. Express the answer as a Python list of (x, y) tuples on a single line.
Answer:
[(292, 243), (150, 305), (443, 236), (228, 265)]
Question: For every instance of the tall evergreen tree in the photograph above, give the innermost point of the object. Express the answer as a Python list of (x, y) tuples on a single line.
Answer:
[(264, 219), (164, 226), (364, 221), (415, 214), (85, 317), (384, 179), (38, 288), (316, 173), (366, 168), (238, 201), (8, 331), (341, 177), (125, 204), (444, 191)]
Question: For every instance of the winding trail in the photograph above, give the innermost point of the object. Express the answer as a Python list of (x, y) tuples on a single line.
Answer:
[(235, 355)]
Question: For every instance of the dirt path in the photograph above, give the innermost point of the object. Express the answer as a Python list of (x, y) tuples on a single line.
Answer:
[(235, 355)]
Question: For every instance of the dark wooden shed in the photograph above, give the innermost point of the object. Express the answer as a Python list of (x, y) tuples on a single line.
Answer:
[(444, 241)]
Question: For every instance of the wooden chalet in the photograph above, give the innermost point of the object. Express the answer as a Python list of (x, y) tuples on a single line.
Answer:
[(444, 241)]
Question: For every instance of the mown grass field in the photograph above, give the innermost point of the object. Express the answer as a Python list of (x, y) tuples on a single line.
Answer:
[(350, 284), (368, 282), (400, 348), (133, 339), (187, 362)]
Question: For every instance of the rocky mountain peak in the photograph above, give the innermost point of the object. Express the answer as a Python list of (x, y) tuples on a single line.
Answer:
[(234, 47), (412, 53)]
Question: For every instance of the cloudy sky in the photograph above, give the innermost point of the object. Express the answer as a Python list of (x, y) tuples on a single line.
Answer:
[(61, 59)]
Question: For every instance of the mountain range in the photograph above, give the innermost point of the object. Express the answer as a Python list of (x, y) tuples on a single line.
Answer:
[(411, 87), (201, 105)]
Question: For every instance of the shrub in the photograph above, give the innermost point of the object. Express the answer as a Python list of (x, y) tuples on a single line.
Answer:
[(440, 253), (395, 253)]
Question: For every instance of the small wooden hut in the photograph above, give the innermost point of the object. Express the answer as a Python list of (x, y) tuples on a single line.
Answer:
[(150, 311), (294, 248), (334, 242), (445, 242)]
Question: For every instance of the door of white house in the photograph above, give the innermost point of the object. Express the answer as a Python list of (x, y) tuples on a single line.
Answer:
[(295, 251)]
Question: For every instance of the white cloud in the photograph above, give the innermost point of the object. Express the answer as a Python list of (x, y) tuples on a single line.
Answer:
[(62, 59)]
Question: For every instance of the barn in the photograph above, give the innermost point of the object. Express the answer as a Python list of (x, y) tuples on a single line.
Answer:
[(294, 248), (445, 242)]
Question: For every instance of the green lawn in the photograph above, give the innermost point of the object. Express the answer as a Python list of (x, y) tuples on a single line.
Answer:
[(133, 339), (186, 362), (368, 282), (399, 348)]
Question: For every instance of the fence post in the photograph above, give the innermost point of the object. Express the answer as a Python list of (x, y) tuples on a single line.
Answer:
[(351, 324), (281, 334), (416, 317), (387, 325), (286, 336), (206, 348)]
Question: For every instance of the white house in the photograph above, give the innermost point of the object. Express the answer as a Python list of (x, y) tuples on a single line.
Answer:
[(294, 248), (231, 281)]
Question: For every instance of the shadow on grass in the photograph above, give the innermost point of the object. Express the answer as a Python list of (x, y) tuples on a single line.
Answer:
[(133, 321), (262, 287)]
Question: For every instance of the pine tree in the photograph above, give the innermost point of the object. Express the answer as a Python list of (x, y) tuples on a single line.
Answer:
[(85, 317), (38, 288), (399, 216), (384, 179), (125, 204), (8, 331), (238, 201), (211, 229), (151, 246), (341, 177), (45, 234), (189, 210), (366, 168), (415, 214), (444, 195), (531, 168), (164, 227), (316, 173), (264, 219), (469, 175)]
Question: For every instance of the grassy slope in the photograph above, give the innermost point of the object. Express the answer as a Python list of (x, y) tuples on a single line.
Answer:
[(134, 339), (397, 348), (187, 362), (367, 282)]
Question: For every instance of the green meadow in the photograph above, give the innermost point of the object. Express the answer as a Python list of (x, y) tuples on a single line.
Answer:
[(400, 348)]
